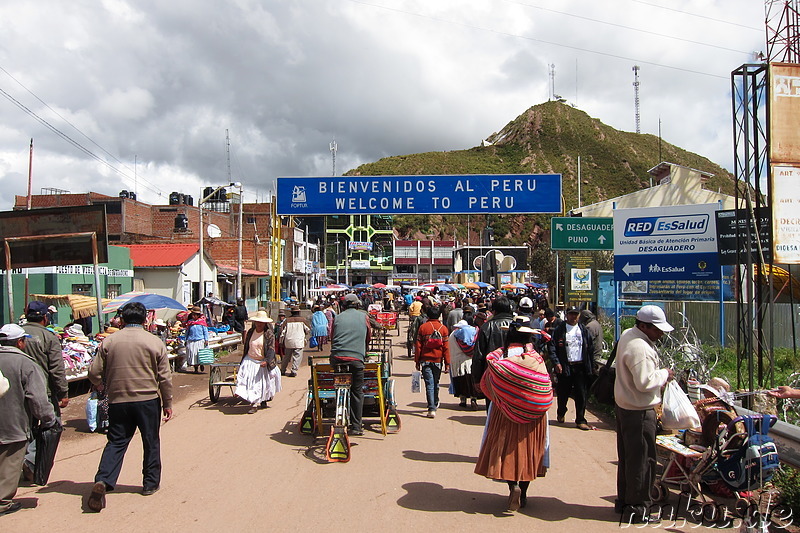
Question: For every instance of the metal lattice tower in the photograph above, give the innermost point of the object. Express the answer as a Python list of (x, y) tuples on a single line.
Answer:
[(751, 153), (552, 74), (636, 96), (751, 99), (334, 148), (783, 30)]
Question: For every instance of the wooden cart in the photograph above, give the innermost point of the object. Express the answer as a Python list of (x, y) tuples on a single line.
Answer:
[(221, 375)]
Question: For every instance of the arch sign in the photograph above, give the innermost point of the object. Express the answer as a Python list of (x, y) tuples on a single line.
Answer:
[(435, 195)]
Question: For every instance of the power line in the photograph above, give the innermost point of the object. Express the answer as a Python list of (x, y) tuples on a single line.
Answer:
[(706, 17), (629, 28), (153, 188), (532, 39)]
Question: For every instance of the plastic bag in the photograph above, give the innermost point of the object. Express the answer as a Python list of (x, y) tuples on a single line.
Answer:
[(677, 410), (46, 446), (313, 342), (416, 376), (91, 412)]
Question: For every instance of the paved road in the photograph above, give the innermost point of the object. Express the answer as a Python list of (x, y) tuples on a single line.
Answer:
[(225, 470)]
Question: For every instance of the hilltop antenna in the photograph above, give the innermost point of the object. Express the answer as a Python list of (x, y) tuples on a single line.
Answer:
[(636, 96), (552, 74), (334, 148)]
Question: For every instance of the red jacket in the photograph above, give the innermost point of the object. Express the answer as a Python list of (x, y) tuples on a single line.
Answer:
[(436, 355)]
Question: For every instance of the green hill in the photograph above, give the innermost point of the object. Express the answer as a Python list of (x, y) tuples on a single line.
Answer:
[(547, 138)]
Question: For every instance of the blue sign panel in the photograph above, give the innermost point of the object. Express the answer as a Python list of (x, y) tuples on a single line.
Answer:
[(398, 195), (681, 290), (666, 243)]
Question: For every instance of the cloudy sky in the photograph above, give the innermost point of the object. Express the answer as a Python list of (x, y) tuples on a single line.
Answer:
[(120, 94)]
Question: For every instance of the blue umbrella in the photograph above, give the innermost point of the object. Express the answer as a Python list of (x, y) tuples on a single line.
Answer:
[(149, 300), (362, 286)]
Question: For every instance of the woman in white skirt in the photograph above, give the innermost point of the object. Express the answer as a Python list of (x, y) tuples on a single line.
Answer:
[(259, 377)]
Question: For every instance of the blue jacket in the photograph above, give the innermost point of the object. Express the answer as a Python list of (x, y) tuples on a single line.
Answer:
[(196, 332)]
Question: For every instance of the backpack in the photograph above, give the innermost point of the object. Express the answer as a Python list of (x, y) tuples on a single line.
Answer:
[(756, 461), (434, 341)]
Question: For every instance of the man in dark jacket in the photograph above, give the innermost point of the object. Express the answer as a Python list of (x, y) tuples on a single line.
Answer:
[(240, 316), (588, 319), (44, 348), (491, 335), (572, 355)]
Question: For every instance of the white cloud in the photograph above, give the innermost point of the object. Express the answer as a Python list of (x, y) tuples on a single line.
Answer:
[(160, 82)]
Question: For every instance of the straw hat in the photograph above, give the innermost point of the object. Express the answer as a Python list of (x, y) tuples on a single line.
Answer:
[(75, 332), (195, 309), (159, 322), (261, 316)]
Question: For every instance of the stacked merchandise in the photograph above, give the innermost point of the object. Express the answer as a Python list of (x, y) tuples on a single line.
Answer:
[(78, 351)]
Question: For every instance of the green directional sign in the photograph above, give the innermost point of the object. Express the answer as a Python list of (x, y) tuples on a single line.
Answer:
[(582, 233)]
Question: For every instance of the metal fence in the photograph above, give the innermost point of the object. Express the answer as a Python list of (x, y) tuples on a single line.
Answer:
[(704, 318)]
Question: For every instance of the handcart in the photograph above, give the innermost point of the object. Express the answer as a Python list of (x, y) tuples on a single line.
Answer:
[(328, 401), (388, 320), (221, 375), (380, 346), (703, 471)]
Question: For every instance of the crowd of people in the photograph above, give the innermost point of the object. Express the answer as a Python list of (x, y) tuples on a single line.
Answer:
[(515, 354)]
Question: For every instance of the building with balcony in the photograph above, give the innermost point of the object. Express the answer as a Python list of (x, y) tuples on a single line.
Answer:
[(419, 262)]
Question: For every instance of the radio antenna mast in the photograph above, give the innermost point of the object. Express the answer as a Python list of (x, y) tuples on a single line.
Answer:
[(636, 96), (334, 148)]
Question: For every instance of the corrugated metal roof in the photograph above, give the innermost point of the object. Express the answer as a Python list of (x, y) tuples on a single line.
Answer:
[(161, 255)]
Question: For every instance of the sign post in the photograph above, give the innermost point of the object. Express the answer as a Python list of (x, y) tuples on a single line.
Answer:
[(582, 233), (666, 243), (438, 194), (580, 285)]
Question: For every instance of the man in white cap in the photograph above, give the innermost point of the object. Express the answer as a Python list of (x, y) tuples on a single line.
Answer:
[(637, 391), (26, 397)]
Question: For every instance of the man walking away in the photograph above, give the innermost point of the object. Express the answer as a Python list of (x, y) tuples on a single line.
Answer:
[(43, 346), (454, 317), (133, 367), (240, 316), (295, 332), (571, 353), (432, 352), (637, 390), (525, 307), (26, 396), (595, 330), (349, 340)]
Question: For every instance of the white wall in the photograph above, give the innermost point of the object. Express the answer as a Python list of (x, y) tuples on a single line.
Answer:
[(164, 281)]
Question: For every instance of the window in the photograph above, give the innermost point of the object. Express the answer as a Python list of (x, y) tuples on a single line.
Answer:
[(113, 290), (84, 289), (338, 221)]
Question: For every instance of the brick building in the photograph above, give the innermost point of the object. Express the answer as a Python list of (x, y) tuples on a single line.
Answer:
[(133, 222)]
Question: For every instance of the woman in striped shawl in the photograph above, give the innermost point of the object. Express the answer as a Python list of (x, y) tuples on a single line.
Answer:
[(514, 447)]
